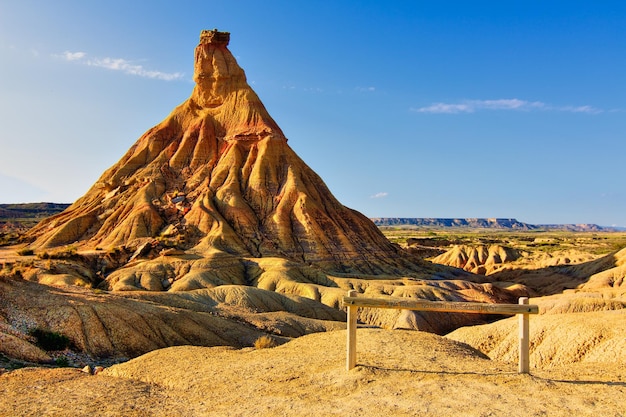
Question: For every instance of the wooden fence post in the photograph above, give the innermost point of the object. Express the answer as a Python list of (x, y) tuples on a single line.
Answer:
[(523, 310), (351, 331), (524, 342)]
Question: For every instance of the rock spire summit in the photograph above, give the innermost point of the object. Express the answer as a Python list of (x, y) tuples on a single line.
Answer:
[(214, 37), (217, 176)]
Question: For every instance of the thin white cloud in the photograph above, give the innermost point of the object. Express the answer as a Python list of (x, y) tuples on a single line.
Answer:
[(445, 108), (471, 106), (120, 64), (379, 195), (73, 56), (580, 109), (366, 89)]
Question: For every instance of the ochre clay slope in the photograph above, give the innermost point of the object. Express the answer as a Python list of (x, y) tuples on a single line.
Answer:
[(539, 273), (555, 339), (129, 324), (477, 259), (217, 175)]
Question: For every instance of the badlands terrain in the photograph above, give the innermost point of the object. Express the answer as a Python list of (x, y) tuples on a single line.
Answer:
[(578, 349), (203, 274)]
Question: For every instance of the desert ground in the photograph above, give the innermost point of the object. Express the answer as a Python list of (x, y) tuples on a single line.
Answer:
[(578, 352), (403, 373)]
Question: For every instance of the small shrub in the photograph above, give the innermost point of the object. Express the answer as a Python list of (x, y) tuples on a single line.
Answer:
[(62, 362), (264, 342), (67, 253), (25, 252), (49, 340)]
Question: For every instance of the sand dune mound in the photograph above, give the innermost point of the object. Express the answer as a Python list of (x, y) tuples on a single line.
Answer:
[(540, 274), (611, 273), (245, 300), (477, 259), (582, 301), (378, 348), (611, 278), (399, 373), (555, 339)]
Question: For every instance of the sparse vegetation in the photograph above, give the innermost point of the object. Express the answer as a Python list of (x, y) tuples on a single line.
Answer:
[(264, 342), (68, 252), (49, 340), (598, 243), (62, 362)]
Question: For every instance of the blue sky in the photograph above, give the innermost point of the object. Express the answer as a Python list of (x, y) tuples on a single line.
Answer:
[(404, 108)]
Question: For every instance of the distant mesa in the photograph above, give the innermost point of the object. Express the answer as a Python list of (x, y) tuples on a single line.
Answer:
[(485, 223), (21, 217), (454, 222)]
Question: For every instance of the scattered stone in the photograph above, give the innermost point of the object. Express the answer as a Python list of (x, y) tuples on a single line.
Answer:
[(171, 252), (86, 369), (141, 251)]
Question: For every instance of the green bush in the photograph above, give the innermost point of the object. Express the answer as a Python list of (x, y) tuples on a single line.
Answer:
[(62, 362), (49, 340)]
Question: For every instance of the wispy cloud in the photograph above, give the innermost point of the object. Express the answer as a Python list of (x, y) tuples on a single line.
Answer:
[(379, 195), (73, 56), (292, 87), (119, 64), (514, 104), (366, 89)]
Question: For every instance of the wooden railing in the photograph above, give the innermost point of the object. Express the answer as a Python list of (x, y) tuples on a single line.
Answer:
[(523, 310)]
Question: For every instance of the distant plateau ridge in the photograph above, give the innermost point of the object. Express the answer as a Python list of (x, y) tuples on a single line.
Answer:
[(31, 213), (487, 223)]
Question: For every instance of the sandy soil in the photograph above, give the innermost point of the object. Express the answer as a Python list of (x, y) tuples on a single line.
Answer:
[(400, 373)]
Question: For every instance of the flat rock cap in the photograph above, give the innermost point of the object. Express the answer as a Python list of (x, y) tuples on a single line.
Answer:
[(214, 37)]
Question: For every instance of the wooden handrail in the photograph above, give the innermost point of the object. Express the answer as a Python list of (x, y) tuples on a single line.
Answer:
[(523, 309), (443, 306)]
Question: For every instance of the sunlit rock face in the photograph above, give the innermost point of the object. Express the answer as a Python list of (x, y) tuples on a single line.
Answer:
[(212, 211), (217, 176)]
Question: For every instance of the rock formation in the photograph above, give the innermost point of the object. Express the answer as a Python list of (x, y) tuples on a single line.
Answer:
[(217, 176), (226, 233), (477, 259), (111, 326)]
